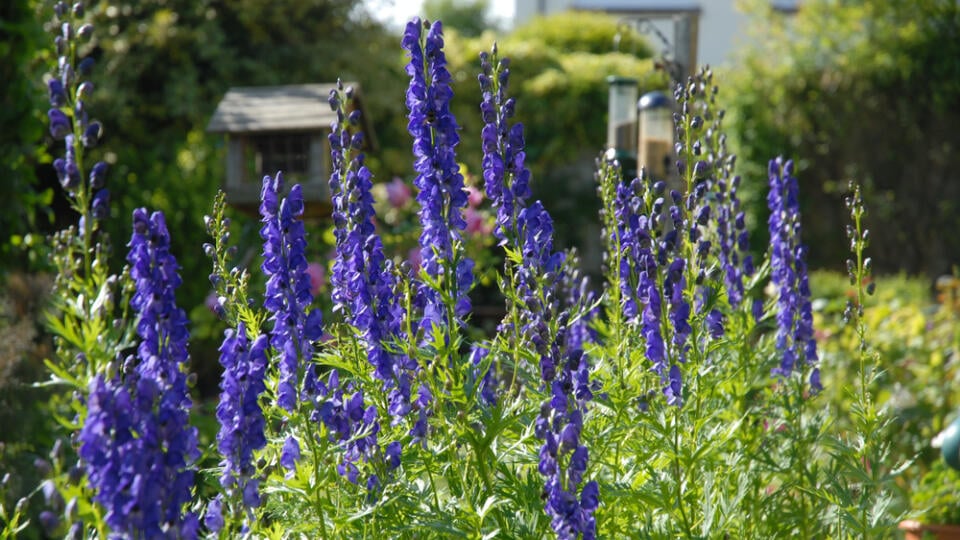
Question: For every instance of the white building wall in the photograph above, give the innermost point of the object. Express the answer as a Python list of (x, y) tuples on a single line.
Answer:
[(722, 26)]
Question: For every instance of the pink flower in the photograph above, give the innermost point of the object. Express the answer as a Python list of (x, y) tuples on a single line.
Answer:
[(318, 277), (415, 258), (398, 193), (475, 222), (474, 196)]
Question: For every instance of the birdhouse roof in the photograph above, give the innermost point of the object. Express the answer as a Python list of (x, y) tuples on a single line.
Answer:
[(275, 108)]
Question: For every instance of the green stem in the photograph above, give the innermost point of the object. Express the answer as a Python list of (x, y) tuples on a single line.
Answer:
[(679, 473)]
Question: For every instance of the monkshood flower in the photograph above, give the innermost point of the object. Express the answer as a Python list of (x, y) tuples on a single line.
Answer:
[(239, 413), (538, 281), (68, 91), (287, 294), (536, 284), (441, 195), (506, 177), (353, 425), (735, 259), (560, 425), (631, 230), (635, 236), (794, 339), (646, 252), (363, 282), (136, 441)]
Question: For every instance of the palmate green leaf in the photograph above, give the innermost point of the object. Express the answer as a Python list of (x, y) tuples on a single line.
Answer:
[(60, 375), (66, 328), (512, 255)]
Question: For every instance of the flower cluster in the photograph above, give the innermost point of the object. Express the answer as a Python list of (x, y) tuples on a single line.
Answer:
[(137, 441), (364, 291), (716, 166), (788, 266), (354, 425), (441, 195), (241, 418), (537, 279), (363, 280), (68, 92), (506, 178), (288, 295), (652, 273)]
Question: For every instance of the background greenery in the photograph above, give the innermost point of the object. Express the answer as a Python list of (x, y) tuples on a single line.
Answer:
[(864, 90)]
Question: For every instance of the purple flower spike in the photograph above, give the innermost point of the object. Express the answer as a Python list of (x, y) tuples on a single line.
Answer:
[(136, 442), (794, 336), (241, 419), (363, 282), (539, 280), (288, 291), (290, 455), (441, 195)]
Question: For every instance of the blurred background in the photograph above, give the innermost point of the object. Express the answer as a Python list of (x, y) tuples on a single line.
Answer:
[(850, 89)]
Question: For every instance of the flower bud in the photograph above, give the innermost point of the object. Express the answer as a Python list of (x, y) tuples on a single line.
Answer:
[(98, 175), (85, 31), (357, 141), (91, 135), (59, 124), (86, 66), (101, 204), (71, 177), (58, 98), (78, 10), (84, 90)]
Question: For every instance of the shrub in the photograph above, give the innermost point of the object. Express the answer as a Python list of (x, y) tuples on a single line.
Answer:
[(858, 90)]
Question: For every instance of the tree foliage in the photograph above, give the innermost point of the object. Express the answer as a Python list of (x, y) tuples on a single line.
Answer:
[(21, 125), (163, 65), (468, 17), (862, 90)]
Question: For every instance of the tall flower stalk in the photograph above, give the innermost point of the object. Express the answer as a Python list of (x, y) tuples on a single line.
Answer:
[(364, 291), (136, 441), (536, 318), (288, 295), (794, 339), (242, 423), (364, 286), (441, 194)]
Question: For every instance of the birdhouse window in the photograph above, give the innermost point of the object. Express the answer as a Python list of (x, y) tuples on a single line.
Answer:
[(287, 152)]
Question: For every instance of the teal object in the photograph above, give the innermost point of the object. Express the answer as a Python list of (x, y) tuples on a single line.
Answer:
[(950, 444)]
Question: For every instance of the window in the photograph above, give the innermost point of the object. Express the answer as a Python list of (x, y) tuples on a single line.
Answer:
[(287, 152)]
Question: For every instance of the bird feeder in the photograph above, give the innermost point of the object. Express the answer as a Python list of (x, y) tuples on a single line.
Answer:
[(622, 122), (655, 146), (279, 128)]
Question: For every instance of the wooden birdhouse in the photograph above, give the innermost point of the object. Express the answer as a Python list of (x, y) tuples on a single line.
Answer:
[(279, 128)]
